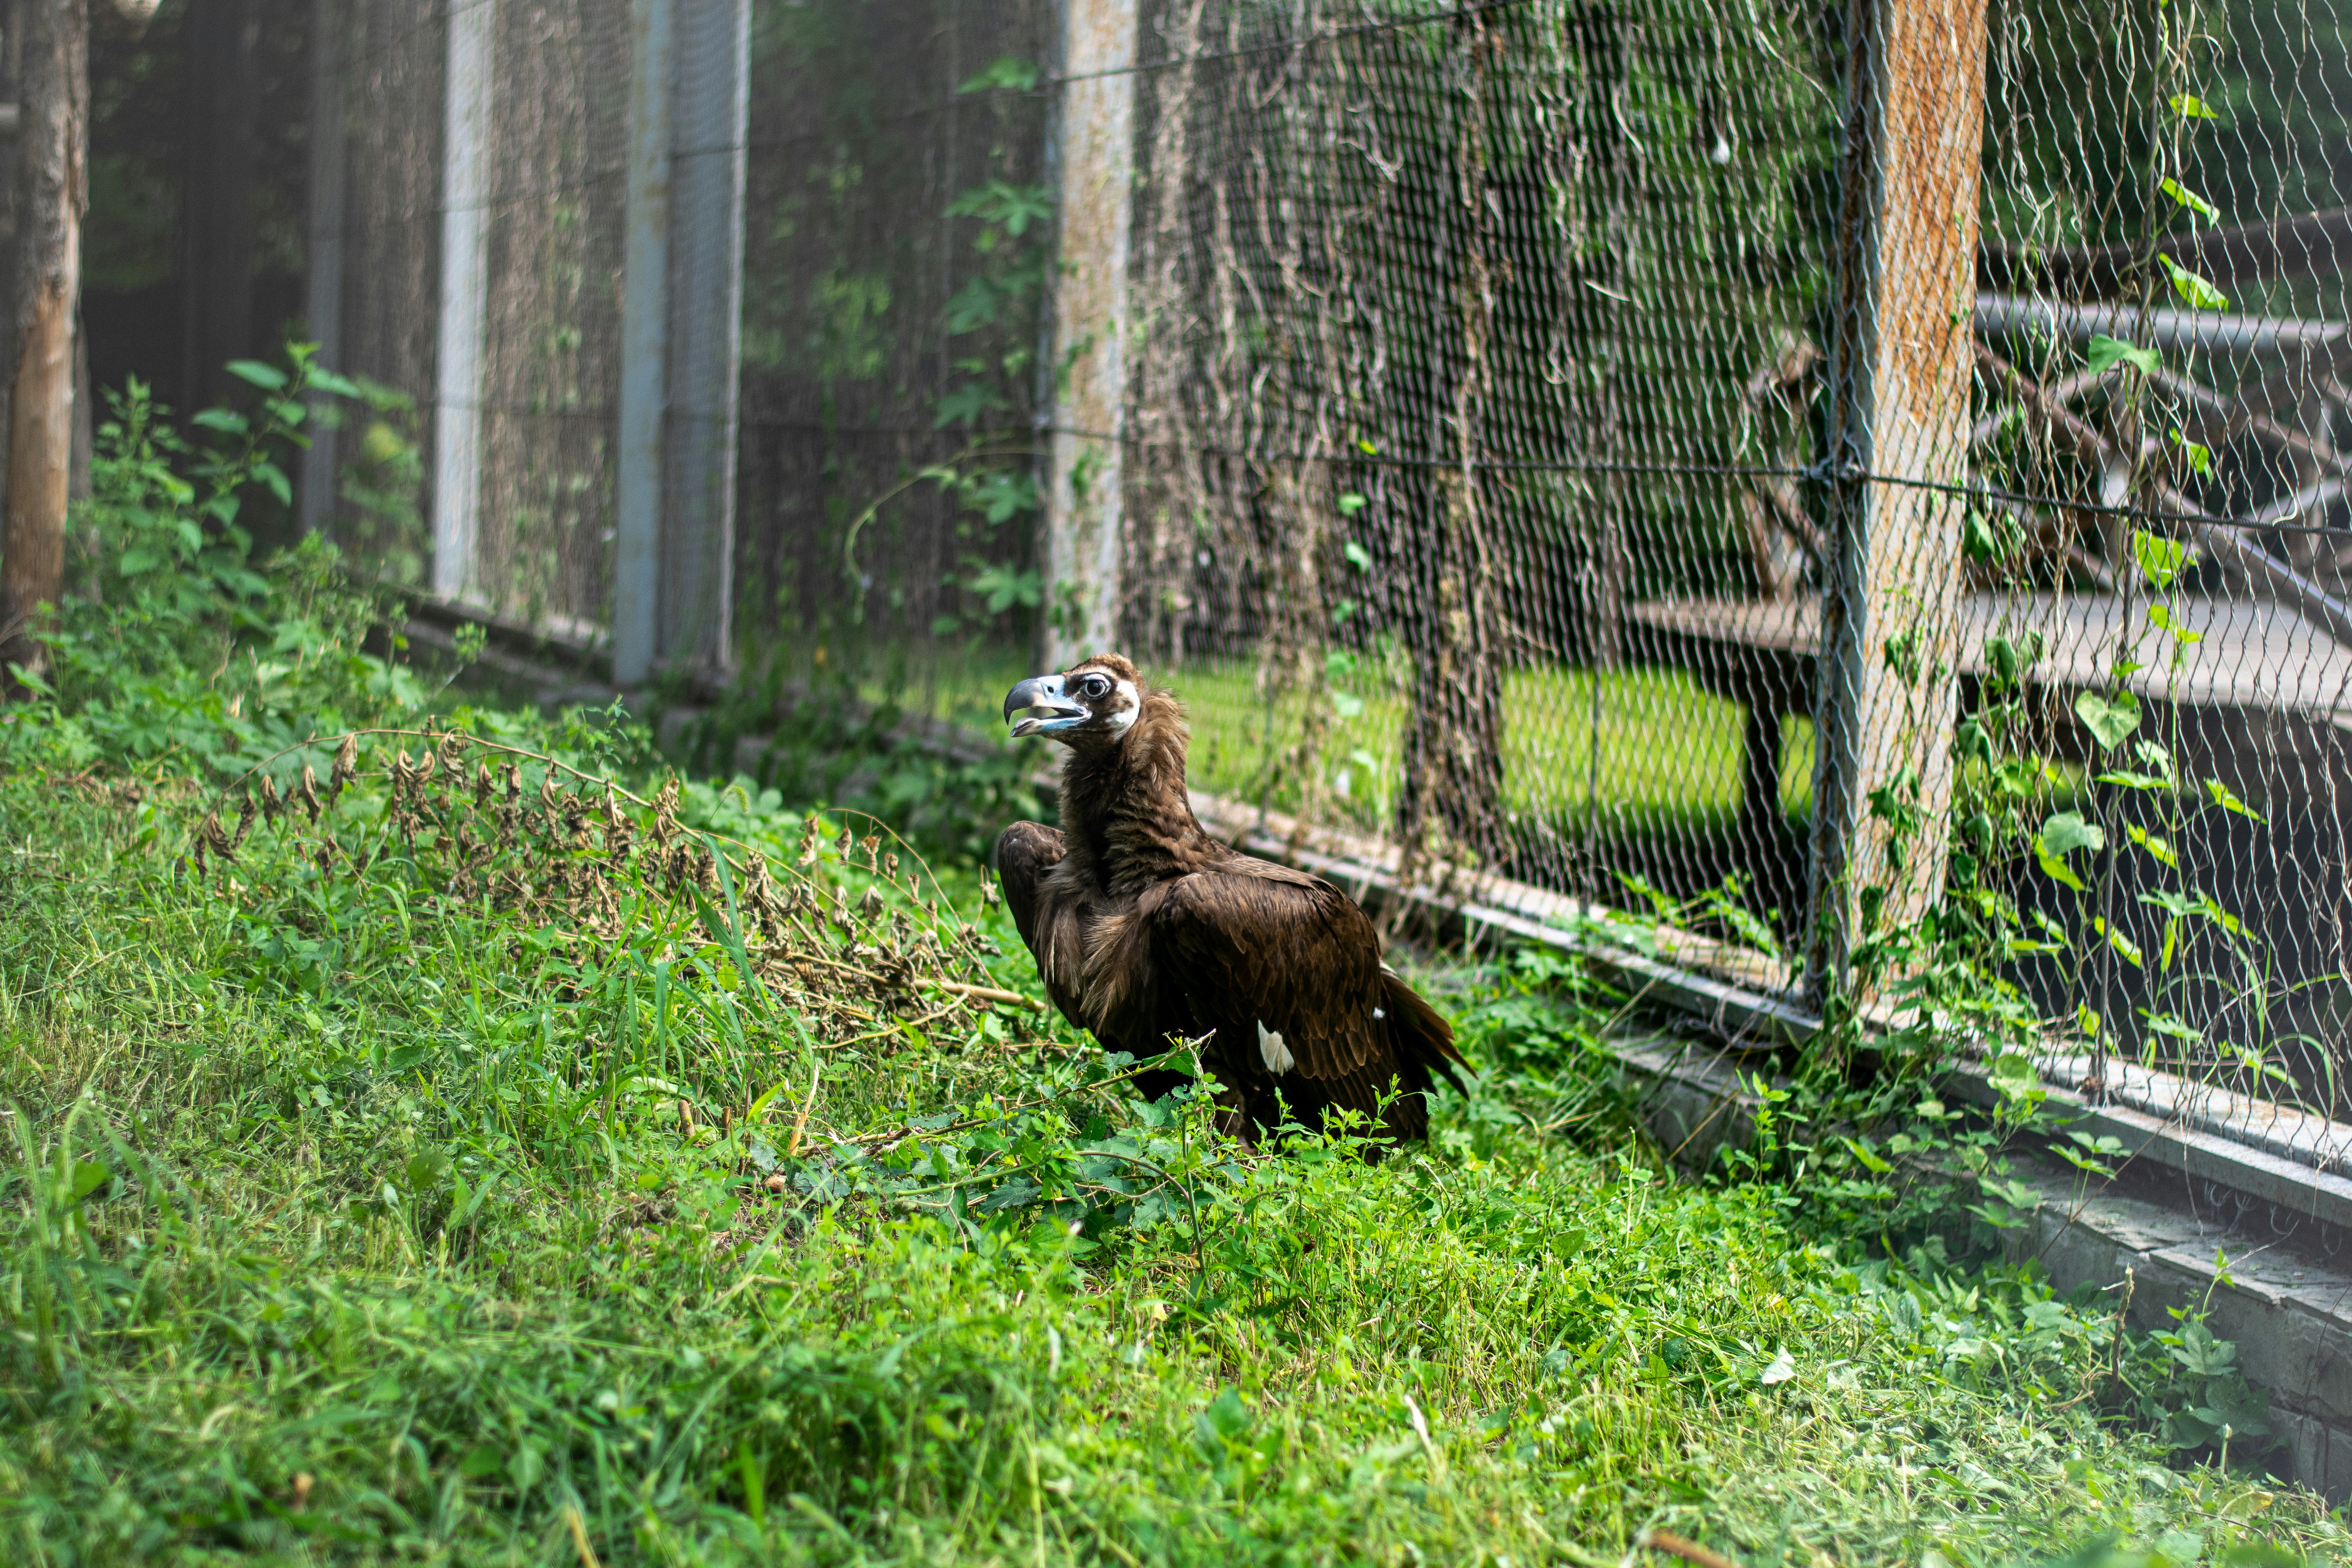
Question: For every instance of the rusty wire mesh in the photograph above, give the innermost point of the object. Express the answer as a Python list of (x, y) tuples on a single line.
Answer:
[(1483, 485), (2160, 333), (1528, 437), (550, 359)]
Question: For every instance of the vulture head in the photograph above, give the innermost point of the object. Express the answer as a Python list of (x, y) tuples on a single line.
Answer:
[(1091, 704)]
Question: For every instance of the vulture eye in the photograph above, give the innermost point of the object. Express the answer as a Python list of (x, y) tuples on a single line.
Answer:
[(1095, 687)]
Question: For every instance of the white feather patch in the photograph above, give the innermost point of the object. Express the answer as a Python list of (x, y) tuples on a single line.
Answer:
[(1278, 1059), (1121, 720)]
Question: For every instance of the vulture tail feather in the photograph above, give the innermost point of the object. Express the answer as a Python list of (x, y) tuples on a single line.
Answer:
[(1420, 1035)]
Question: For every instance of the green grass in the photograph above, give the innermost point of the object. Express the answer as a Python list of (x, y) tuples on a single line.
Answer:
[(1668, 752), (345, 1224)]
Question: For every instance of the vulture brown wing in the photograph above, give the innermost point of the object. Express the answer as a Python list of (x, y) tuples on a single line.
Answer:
[(1026, 854), (1261, 950)]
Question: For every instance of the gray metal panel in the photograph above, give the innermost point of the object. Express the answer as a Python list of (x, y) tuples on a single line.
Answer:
[(467, 170), (645, 326), (709, 161)]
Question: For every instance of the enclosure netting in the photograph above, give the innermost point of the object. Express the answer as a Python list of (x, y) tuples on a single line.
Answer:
[(1478, 398), (2160, 343), (552, 206), (1482, 480), (883, 334)]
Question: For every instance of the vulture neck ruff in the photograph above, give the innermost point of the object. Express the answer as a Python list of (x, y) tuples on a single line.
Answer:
[(1125, 814)]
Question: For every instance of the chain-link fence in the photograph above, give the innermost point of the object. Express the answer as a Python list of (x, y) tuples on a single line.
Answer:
[(2160, 337), (485, 174), (1856, 477), (1535, 417)]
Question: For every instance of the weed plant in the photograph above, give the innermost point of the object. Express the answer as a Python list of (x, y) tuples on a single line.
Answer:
[(434, 1137), (500, 1235)]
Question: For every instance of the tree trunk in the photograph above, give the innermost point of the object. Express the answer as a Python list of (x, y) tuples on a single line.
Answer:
[(53, 149)]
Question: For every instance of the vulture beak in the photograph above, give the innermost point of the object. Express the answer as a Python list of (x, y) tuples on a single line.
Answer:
[(1043, 693)]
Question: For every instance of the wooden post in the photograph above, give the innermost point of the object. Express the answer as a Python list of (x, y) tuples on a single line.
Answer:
[(52, 192), (1093, 156), (1902, 360)]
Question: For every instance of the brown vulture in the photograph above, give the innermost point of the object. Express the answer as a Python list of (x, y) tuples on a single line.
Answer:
[(1144, 927)]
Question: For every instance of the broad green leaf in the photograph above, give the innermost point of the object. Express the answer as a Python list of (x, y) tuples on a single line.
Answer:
[(2160, 617), (2066, 832), (2210, 908), (1358, 557), (2227, 800), (2161, 560), (2191, 107), (2153, 844), (88, 1176), (2183, 196), (1226, 1417), (2198, 458), (2055, 869), (269, 377), (1351, 504), (2108, 719), (221, 419), (2123, 778), (425, 1168), (2127, 948), (2198, 294), (2105, 352), (1870, 1161), (1007, 73)]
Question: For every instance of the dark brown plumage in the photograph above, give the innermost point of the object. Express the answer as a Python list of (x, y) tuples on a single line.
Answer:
[(1145, 927)]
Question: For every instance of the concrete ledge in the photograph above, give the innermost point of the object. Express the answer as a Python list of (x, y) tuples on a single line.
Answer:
[(2288, 1308)]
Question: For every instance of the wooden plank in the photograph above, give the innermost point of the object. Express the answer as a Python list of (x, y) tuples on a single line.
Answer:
[(2257, 655)]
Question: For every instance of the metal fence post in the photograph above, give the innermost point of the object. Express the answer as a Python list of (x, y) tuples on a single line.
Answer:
[(645, 345), (326, 258), (465, 296), (1900, 367), (708, 165), (1092, 156)]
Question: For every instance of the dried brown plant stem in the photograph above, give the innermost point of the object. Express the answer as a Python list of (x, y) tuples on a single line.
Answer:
[(438, 738), (579, 1529), (799, 1122), (954, 987), (1689, 1551)]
